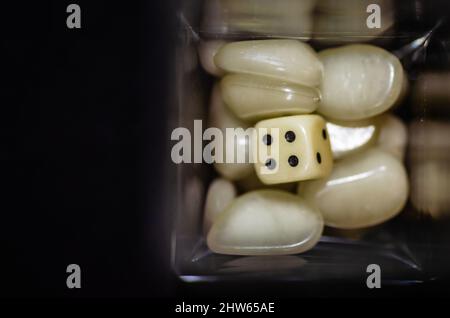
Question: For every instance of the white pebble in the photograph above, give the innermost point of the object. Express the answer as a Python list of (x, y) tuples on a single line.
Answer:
[(347, 137), (393, 136), (364, 189), (206, 52), (221, 117), (220, 194), (287, 60), (266, 222), (360, 81), (253, 97)]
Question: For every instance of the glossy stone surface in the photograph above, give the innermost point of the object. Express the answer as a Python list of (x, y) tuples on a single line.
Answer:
[(347, 137), (221, 193), (360, 81), (393, 136), (253, 97), (206, 52), (266, 222), (364, 189), (287, 60), (221, 117), (386, 131)]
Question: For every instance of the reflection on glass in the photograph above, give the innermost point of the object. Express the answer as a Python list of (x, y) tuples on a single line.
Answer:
[(346, 21), (265, 17), (430, 167)]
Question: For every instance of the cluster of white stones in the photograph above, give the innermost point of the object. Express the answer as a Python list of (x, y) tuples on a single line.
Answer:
[(352, 87)]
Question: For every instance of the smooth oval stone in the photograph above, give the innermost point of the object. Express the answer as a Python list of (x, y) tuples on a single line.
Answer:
[(364, 189), (253, 97), (386, 131), (206, 52), (393, 136), (360, 81), (266, 222), (348, 137), (221, 117), (221, 193), (287, 60)]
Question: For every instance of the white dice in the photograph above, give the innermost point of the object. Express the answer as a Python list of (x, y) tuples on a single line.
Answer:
[(292, 148)]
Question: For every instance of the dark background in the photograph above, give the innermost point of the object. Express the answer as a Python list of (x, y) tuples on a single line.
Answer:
[(83, 129)]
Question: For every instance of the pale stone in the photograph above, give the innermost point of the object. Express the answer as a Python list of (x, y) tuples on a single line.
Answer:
[(266, 222), (221, 117), (360, 81), (287, 60), (364, 189), (221, 193), (253, 97), (393, 136), (206, 52), (347, 137)]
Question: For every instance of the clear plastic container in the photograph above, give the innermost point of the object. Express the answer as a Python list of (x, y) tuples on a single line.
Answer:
[(411, 248)]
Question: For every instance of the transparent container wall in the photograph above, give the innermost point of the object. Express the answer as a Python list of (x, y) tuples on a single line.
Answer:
[(412, 247)]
